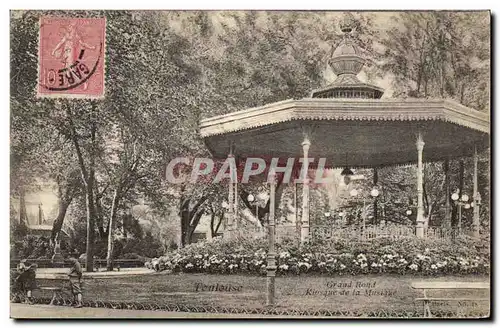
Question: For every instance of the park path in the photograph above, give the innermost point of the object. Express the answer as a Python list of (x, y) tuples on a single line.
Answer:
[(25, 311), (48, 273)]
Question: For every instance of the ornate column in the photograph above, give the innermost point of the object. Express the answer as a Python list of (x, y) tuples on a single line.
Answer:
[(235, 203), (475, 198), (420, 188), (304, 229), (230, 201), (295, 204), (271, 253), (447, 206), (375, 199)]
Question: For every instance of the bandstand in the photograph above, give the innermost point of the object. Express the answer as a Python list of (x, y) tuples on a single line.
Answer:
[(352, 126)]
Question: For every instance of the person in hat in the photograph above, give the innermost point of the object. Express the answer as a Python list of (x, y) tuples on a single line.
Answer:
[(75, 277), (26, 280), (21, 266)]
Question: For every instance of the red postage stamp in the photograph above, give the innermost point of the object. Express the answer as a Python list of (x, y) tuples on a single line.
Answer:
[(71, 57)]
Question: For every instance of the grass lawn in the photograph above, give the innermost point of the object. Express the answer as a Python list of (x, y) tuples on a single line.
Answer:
[(376, 292)]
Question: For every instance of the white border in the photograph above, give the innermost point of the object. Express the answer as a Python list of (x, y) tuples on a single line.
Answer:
[(194, 4)]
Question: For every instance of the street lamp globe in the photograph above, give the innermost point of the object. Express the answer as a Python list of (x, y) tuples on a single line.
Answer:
[(250, 198), (467, 206), (354, 192), (347, 173), (465, 198), (375, 192), (408, 212), (454, 196)]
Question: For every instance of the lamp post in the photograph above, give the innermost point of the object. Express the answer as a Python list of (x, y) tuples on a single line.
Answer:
[(374, 193), (254, 201), (475, 204), (408, 213), (341, 215), (271, 253), (461, 201)]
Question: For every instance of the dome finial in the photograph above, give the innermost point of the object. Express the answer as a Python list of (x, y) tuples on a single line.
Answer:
[(347, 23), (346, 62)]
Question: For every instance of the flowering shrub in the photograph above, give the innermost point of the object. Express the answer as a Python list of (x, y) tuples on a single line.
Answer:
[(383, 255)]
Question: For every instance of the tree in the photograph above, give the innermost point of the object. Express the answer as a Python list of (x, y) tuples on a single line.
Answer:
[(82, 123), (217, 217), (439, 54), (446, 55)]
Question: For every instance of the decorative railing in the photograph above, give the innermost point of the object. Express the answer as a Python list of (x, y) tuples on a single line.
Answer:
[(360, 233), (392, 231), (281, 232), (354, 232), (440, 233), (270, 311)]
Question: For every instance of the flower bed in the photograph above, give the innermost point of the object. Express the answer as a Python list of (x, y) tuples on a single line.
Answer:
[(382, 255)]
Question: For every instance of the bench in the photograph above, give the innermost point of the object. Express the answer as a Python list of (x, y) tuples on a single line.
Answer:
[(444, 285), (56, 291)]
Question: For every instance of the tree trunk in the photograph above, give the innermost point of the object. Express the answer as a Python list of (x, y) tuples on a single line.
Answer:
[(262, 210), (88, 178), (192, 227), (99, 219), (184, 215), (23, 216), (462, 93), (91, 212), (189, 218), (61, 214), (111, 229), (89, 197), (441, 78), (214, 228), (421, 66)]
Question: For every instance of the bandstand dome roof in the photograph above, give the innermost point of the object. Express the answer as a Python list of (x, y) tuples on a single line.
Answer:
[(349, 124)]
